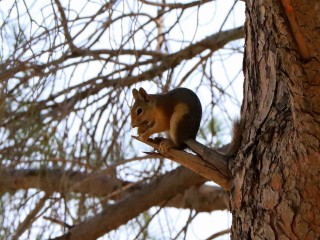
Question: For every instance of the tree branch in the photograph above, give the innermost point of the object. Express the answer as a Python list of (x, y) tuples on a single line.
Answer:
[(57, 180), (218, 234), (154, 193), (213, 43), (30, 217), (176, 5), (209, 163), (64, 23), (200, 198)]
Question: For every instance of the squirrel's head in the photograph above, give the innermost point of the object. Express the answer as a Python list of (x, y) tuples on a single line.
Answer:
[(142, 110)]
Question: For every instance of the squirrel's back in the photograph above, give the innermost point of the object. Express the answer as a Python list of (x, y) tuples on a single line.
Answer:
[(186, 117)]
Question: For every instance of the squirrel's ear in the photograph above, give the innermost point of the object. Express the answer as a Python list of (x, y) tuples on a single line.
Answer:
[(135, 93), (144, 94)]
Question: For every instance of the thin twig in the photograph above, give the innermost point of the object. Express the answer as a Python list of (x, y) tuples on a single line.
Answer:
[(57, 221), (218, 234), (31, 217)]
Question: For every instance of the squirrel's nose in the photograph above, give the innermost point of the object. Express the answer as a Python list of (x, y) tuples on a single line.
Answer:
[(133, 124)]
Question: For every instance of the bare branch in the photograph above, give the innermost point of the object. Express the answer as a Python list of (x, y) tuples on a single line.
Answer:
[(157, 191), (57, 221), (210, 165), (201, 198), (64, 22), (57, 180), (213, 43), (218, 234), (176, 5), (30, 218)]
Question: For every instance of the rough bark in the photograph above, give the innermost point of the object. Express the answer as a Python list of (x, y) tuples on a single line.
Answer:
[(276, 188)]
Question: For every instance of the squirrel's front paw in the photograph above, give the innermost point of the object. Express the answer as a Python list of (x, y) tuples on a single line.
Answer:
[(143, 128), (165, 145), (143, 137)]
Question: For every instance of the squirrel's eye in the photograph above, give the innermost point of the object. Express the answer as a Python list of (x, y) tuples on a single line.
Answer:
[(139, 111)]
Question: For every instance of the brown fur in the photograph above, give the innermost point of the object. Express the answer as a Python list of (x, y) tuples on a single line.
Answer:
[(178, 112)]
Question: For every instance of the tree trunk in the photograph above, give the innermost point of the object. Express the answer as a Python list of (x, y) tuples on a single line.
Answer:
[(276, 187)]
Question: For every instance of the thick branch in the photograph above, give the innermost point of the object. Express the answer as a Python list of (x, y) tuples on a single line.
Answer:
[(154, 193), (200, 198), (57, 180)]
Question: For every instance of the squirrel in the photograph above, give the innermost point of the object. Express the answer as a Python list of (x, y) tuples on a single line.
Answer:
[(177, 112)]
